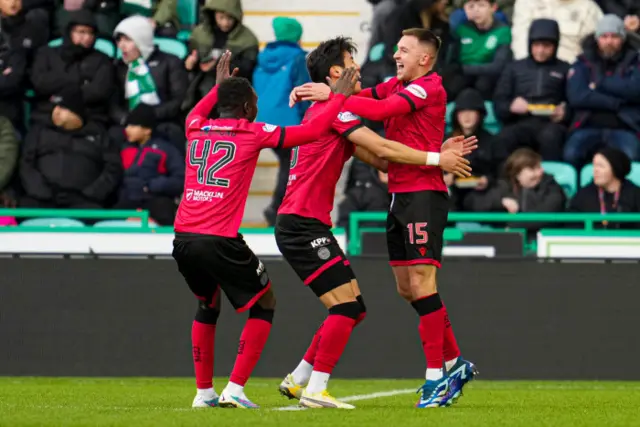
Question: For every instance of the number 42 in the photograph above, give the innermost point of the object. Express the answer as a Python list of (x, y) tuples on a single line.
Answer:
[(206, 173)]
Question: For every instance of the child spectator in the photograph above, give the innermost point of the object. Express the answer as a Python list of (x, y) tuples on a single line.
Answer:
[(467, 120), (153, 169), (481, 51)]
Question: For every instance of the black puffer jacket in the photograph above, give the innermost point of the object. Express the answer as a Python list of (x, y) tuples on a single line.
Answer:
[(538, 83), (171, 81), (13, 68), (28, 31), (55, 68), (82, 162)]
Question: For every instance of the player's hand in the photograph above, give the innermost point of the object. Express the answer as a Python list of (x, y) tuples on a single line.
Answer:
[(311, 92), (453, 162), (222, 69), (460, 143), (346, 84), (511, 205)]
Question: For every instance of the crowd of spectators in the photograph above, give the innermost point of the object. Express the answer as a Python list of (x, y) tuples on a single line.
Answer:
[(562, 77)]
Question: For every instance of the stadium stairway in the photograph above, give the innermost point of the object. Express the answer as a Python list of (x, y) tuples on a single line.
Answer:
[(320, 21)]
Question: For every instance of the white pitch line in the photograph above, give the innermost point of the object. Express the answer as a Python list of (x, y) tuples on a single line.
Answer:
[(355, 398)]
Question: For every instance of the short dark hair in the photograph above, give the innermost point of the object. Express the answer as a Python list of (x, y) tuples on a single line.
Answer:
[(328, 54), (233, 93), (424, 36)]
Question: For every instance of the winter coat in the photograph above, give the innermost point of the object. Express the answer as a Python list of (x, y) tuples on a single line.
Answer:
[(9, 148), (241, 41), (55, 68), (156, 165), (84, 162), (29, 31), (171, 81), (588, 200), (13, 69), (577, 19), (281, 67), (538, 83), (617, 86)]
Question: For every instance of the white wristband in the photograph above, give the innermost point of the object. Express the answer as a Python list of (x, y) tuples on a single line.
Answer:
[(433, 159)]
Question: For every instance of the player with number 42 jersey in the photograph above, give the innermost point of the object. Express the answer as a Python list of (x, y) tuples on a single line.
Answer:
[(210, 253)]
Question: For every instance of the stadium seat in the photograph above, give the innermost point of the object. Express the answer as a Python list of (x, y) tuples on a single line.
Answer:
[(184, 35), (564, 174), (52, 222), (123, 223), (472, 226), (586, 175), (491, 123), (172, 46), (188, 12), (376, 52), (102, 45)]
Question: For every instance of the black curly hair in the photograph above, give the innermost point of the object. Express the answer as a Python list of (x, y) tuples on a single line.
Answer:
[(328, 54), (236, 98)]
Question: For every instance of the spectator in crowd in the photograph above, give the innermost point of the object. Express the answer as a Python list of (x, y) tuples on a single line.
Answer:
[(366, 191), (603, 88), (530, 96), (162, 14), (70, 162), (153, 169), (23, 25), (526, 189), (457, 16), (221, 29), (382, 10), (74, 63), (610, 191), (13, 67), (9, 148), (481, 50), (146, 74), (467, 119), (201, 76), (281, 67), (629, 10), (577, 19)]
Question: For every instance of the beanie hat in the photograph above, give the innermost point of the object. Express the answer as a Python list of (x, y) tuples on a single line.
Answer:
[(611, 23), (143, 115), (139, 29), (470, 99), (71, 99), (287, 29), (619, 161)]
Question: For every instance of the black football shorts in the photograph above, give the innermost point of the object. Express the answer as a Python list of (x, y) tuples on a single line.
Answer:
[(310, 248), (415, 227), (209, 263)]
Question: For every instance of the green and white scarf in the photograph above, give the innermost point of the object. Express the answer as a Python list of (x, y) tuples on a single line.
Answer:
[(140, 85)]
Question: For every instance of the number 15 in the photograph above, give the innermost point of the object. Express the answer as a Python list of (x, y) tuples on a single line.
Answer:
[(418, 233)]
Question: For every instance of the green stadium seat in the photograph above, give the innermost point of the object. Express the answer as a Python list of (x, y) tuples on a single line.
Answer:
[(102, 45), (491, 123), (188, 12), (586, 174), (120, 223), (184, 35), (564, 174), (52, 222), (172, 46), (472, 226)]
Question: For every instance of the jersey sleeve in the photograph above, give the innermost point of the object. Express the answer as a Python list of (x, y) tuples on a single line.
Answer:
[(422, 93), (382, 90), (269, 136), (195, 124), (345, 123)]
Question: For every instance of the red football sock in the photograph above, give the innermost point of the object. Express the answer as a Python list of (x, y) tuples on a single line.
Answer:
[(254, 337), (202, 339), (450, 347), (336, 331), (431, 329), (310, 354)]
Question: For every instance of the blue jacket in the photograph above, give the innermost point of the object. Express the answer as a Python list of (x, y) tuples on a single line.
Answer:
[(281, 67), (617, 91), (156, 165)]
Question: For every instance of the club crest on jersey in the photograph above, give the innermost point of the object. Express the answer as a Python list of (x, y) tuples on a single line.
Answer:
[(269, 128), (324, 253), (206, 128), (346, 117), (417, 91), (189, 194)]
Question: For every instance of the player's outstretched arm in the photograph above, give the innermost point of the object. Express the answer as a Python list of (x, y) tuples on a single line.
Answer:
[(313, 129), (370, 158), (318, 92)]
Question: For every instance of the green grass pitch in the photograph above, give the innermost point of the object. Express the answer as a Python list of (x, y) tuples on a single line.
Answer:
[(166, 402)]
